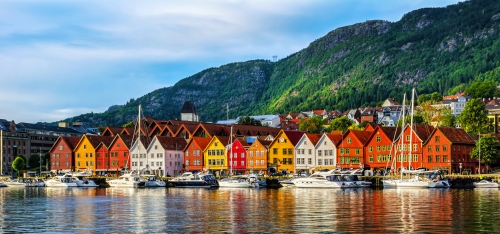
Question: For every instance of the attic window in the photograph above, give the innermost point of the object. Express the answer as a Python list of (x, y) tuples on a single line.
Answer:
[(84, 146), (215, 144), (349, 140), (60, 147), (118, 145)]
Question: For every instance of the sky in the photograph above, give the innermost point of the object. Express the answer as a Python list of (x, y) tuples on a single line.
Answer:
[(60, 59)]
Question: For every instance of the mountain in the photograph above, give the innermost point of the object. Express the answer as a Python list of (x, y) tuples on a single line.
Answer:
[(432, 49)]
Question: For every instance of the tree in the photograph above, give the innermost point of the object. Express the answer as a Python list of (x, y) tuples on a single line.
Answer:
[(341, 123), (417, 119), (247, 120), (474, 117), (129, 124), (482, 89), (448, 119), (18, 165), (486, 149), (34, 161), (312, 125)]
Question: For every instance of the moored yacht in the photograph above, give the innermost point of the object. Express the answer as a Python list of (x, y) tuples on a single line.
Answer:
[(485, 184), (189, 179), (249, 182), (151, 181), (127, 180), (61, 181), (329, 179), (82, 181)]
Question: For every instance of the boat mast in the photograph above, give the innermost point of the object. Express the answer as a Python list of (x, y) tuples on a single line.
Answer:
[(1, 151), (231, 152), (411, 129), (139, 137), (402, 136), (480, 153)]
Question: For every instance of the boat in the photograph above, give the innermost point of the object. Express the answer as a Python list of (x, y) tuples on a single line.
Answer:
[(436, 180), (485, 184), (14, 183), (151, 181), (2, 184), (82, 181), (127, 180), (192, 180), (65, 180), (33, 182), (250, 181), (353, 176), (329, 179)]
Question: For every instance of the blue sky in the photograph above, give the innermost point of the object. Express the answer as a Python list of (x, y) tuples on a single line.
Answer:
[(59, 59)]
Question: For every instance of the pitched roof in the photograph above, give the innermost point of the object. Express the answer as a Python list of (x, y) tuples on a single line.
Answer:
[(172, 143), (456, 135), (264, 142), (294, 136), (314, 138), (202, 142), (361, 135), (391, 132), (423, 131), (336, 138), (188, 107)]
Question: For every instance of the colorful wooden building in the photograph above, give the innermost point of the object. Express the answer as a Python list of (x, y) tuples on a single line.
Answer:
[(257, 155), (379, 150), (215, 155), (193, 153), (281, 151), (61, 154), (351, 149)]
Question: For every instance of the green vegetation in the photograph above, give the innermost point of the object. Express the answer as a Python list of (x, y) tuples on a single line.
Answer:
[(340, 124), (474, 117), (435, 50), (486, 148), (247, 120), (18, 165), (313, 124)]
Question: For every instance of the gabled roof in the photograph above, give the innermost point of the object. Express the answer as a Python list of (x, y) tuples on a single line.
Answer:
[(361, 135), (423, 132), (111, 131), (71, 141), (391, 132), (314, 138), (202, 142), (172, 143), (105, 141), (336, 138), (264, 142), (294, 136), (455, 135)]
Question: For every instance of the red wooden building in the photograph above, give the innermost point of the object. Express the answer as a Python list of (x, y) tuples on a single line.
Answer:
[(379, 151), (62, 157), (193, 153), (351, 149), (449, 149), (119, 153), (237, 156), (102, 155), (409, 148)]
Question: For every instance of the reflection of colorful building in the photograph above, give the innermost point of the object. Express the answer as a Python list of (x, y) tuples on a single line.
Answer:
[(281, 151), (215, 154), (193, 153)]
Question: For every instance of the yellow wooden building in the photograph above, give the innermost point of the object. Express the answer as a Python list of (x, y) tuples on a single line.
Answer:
[(215, 155), (85, 153), (282, 151)]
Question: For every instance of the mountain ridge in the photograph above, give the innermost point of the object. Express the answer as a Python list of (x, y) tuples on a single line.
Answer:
[(432, 49)]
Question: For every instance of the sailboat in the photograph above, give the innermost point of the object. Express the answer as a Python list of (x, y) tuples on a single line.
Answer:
[(132, 179), (248, 182), (416, 178)]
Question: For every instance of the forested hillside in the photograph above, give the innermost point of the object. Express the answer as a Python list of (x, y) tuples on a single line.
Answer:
[(433, 49)]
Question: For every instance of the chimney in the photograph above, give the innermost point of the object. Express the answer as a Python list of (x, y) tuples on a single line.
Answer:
[(63, 124)]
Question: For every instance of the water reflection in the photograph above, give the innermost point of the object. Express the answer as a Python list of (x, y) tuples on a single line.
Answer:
[(248, 210)]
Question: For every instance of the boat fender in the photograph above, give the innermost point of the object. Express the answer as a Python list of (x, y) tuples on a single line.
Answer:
[(343, 183)]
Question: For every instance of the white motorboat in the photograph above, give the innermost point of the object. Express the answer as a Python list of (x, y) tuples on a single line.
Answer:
[(485, 184), (33, 182), (353, 176), (151, 181), (328, 179), (250, 182), (436, 180), (190, 180), (14, 183), (2, 184), (65, 180), (82, 181), (127, 180)]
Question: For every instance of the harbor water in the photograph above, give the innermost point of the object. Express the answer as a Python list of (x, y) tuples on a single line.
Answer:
[(290, 209)]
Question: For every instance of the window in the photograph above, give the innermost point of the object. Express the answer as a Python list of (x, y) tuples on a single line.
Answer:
[(415, 147), (370, 158), (415, 157), (309, 151), (437, 148), (60, 147), (320, 153), (290, 151), (156, 147), (429, 158), (445, 158), (429, 148), (284, 151), (84, 146), (97, 155), (349, 140), (341, 151), (357, 150), (378, 139), (242, 163), (436, 139), (347, 151), (408, 138), (290, 161), (378, 148), (445, 148), (370, 148), (319, 162), (152, 155), (86, 155), (242, 155), (275, 151), (309, 161), (437, 158)]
